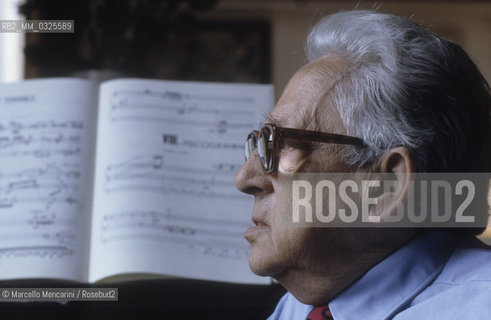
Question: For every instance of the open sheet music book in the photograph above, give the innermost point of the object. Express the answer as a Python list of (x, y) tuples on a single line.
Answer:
[(129, 176)]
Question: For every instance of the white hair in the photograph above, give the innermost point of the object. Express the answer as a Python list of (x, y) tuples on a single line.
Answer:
[(405, 86)]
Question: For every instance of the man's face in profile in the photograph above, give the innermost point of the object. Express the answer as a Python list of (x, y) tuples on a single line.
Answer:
[(276, 246)]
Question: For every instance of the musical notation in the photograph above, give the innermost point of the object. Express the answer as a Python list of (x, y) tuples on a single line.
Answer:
[(206, 144), (55, 138), (227, 167), (221, 127), (44, 234), (184, 102), (45, 186), (18, 126), (40, 185), (156, 161), (46, 219), (35, 251), (151, 173), (167, 154), (40, 138), (208, 236), (214, 113), (41, 241)]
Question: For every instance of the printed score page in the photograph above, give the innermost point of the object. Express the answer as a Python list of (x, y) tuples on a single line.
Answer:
[(165, 200), (46, 155)]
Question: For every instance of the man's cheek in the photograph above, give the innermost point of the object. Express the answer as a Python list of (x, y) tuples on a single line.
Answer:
[(287, 239)]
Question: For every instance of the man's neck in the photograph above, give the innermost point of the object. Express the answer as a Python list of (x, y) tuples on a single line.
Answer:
[(318, 281)]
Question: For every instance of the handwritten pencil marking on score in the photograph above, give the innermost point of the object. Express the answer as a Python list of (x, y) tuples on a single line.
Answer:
[(39, 186), (49, 184), (40, 138), (18, 126)]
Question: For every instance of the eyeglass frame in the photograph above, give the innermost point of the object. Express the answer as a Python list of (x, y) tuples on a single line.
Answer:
[(278, 133)]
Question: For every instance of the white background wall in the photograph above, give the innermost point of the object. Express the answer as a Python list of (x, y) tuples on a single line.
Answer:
[(11, 45)]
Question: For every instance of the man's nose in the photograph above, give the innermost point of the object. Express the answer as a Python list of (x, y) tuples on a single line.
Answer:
[(251, 179)]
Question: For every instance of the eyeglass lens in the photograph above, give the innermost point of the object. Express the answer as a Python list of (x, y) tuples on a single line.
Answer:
[(263, 142), (251, 143)]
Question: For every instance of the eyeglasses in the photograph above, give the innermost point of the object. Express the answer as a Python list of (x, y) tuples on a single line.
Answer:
[(267, 142)]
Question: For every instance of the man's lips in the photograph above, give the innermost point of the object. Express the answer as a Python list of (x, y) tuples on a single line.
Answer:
[(259, 225)]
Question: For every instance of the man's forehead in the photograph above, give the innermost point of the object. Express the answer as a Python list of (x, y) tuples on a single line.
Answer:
[(330, 66), (304, 95)]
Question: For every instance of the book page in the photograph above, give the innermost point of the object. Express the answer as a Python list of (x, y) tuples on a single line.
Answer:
[(46, 151), (165, 200)]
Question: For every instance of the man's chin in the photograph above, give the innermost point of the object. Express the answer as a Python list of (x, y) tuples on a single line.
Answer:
[(263, 264)]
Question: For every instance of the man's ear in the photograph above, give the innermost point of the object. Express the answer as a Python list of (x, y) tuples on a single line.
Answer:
[(397, 160), (397, 166), (291, 160)]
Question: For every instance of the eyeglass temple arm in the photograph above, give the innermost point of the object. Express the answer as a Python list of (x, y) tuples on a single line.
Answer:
[(316, 136)]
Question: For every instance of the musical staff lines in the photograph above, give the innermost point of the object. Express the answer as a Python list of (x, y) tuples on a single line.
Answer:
[(35, 251), (167, 153), (44, 219), (47, 185), (151, 173), (216, 114), (40, 184), (206, 235), (180, 102), (46, 235)]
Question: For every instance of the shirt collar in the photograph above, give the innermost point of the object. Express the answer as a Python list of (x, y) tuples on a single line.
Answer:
[(394, 282)]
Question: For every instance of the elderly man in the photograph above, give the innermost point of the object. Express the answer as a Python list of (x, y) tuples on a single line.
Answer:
[(398, 99)]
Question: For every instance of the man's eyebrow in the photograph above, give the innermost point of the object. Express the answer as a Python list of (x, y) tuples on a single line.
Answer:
[(272, 120)]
